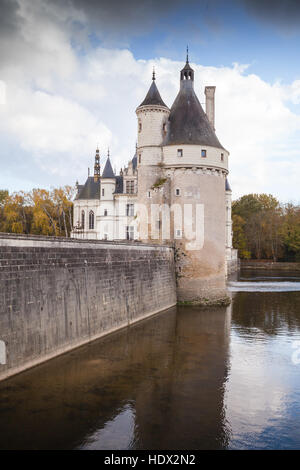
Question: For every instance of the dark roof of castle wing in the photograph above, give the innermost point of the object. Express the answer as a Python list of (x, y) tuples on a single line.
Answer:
[(108, 171), (188, 123), (134, 161), (119, 185), (90, 190), (153, 97)]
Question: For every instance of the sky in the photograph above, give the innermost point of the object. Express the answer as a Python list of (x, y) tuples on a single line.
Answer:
[(72, 74)]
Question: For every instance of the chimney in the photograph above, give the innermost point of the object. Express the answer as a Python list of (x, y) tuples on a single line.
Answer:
[(210, 104)]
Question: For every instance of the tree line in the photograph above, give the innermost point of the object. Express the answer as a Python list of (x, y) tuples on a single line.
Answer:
[(263, 228), (38, 212)]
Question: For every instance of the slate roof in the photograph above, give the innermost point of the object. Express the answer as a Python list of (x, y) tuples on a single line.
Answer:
[(119, 185), (90, 190), (134, 161), (227, 185), (188, 123), (108, 172), (153, 97)]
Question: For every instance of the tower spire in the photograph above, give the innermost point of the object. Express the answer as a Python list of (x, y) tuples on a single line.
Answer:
[(187, 54), (97, 166), (153, 73)]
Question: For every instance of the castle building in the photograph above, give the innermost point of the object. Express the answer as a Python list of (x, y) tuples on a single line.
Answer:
[(174, 190), (105, 206)]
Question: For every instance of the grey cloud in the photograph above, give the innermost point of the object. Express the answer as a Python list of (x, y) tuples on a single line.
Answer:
[(284, 14)]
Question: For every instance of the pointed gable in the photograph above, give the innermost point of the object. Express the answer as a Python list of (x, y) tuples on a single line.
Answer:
[(108, 171), (153, 97)]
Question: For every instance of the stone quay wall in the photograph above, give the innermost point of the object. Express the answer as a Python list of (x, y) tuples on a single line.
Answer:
[(265, 264), (59, 293)]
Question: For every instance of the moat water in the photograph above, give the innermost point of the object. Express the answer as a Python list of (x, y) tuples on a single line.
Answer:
[(184, 379)]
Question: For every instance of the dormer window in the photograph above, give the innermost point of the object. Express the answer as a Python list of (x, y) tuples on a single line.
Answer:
[(130, 187), (203, 153), (179, 153)]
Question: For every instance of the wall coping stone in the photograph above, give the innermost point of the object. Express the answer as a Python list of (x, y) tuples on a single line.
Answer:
[(23, 240)]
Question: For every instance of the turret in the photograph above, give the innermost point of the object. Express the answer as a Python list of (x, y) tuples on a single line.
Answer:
[(108, 181), (152, 116)]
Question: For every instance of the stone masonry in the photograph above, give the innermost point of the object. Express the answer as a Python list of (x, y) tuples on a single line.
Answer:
[(57, 294)]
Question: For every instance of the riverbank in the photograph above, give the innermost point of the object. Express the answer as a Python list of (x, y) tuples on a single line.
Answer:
[(264, 264)]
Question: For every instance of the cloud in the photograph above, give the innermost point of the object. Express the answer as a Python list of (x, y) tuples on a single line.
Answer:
[(60, 103)]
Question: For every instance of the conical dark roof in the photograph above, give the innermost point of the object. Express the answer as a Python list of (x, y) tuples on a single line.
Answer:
[(153, 97), (108, 171), (188, 123)]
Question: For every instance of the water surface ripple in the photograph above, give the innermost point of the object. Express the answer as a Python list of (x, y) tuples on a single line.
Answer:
[(225, 378)]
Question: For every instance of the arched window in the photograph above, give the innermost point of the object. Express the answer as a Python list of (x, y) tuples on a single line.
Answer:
[(91, 220), (82, 219)]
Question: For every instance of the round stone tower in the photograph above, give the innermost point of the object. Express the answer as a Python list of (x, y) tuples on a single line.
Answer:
[(196, 165), (152, 116)]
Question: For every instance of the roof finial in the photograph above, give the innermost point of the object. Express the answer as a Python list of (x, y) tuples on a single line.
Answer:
[(153, 73), (187, 54), (108, 151)]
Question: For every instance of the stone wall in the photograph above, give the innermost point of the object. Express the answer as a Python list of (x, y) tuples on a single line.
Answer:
[(56, 294), (265, 264)]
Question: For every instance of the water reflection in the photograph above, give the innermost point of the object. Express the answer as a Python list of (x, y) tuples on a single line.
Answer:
[(157, 385), (263, 389), (185, 379)]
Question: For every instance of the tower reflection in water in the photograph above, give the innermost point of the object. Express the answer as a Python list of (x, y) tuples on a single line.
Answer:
[(157, 385)]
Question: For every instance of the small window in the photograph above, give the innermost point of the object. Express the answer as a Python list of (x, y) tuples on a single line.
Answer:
[(164, 128), (149, 194), (91, 220), (140, 126), (203, 153), (178, 233), (105, 212), (129, 232), (129, 209), (82, 219), (105, 236), (177, 192), (102, 191), (179, 152), (140, 158), (158, 224), (222, 157)]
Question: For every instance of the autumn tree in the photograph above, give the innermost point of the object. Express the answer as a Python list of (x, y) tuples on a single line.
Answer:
[(39, 212)]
